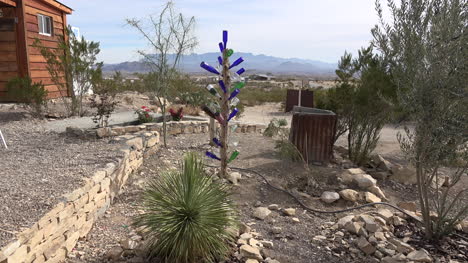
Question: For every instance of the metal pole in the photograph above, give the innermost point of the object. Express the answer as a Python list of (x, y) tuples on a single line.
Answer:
[(3, 139)]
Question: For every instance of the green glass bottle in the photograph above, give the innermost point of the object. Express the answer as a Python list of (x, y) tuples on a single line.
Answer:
[(239, 85), (234, 155)]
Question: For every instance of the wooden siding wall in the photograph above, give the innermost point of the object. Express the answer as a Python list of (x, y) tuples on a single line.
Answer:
[(8, 56), (37, 63)]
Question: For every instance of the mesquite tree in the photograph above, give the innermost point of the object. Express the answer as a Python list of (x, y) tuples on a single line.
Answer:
[(170, 36), (227, 99), (426, 46)]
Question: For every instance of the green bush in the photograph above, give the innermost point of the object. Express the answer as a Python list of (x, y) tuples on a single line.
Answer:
[(187, 215), (34, 95)]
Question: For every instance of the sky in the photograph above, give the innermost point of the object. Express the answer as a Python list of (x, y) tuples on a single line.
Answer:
[(308, 29)]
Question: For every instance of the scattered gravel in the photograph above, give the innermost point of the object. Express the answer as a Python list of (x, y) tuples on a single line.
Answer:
[(38, 168)]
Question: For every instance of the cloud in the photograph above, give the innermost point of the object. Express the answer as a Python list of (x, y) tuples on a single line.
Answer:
[(312, 29)]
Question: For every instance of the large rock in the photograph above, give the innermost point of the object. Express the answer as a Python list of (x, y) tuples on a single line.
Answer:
[(261, 212), (234, 177), (353, 227), (404, 174), (329, 197), (364, 180), (419, 256), (344, 220), (385, 214), (381, 163), (377, 191), (402, 247), (247, 252), (348, 175), (349, 195), (371, 198), (365, 246)]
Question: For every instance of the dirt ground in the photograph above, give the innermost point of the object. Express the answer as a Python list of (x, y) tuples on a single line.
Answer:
[(296, 241)]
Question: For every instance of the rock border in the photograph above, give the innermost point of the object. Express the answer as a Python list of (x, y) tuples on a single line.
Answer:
[(173, 128)]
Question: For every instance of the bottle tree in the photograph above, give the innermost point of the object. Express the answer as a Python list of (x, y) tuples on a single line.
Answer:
[(230, 83)]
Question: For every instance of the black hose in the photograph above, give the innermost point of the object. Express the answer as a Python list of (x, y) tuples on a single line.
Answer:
[(316, 210)]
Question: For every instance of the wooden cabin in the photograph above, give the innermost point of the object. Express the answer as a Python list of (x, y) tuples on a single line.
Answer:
[(21, 22)]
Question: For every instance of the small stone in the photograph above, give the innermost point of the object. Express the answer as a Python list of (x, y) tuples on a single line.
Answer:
[(250, 260), (420, 256), (276, 230), (267, 244), (353, 227), (261, 213), (246, 236), (385, 214), (253, 242), (247, 252), (410, 206), (389, 260), (234, 177), (114, 253), (339, 233), (377, 191), (295, 220), (129, 244), (344, 220), (243, 228), (320, 238), (349, 195), (329, 197), (380, 236), (365, 246), (402, 247), (397, 221), (364, 180), (371, 198), (290, 211), (273, 207)]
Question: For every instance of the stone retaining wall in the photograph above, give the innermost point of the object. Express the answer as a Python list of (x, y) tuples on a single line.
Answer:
[(173, 127), (56, 233)]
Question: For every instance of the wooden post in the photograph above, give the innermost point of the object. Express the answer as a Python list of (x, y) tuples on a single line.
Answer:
[(225, 113)]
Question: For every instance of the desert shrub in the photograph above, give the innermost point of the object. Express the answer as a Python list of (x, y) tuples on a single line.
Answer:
[(144, 115), (425, 44), (103, 100), (34, 95), (72, 66), (187, 215), (363, 100), (276, 127)]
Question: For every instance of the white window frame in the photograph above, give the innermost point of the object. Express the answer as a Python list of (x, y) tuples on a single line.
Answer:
[(42, 21)]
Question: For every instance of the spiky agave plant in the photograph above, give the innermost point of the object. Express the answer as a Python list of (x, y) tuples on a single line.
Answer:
[(187, 215)]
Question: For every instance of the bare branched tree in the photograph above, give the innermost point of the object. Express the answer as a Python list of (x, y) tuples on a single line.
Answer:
[(170, 35), (426, 46)]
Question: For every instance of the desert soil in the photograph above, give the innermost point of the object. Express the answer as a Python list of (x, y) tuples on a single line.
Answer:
[(296, 241), (39, 167)]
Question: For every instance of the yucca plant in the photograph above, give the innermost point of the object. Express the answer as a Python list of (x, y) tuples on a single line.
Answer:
[(187, 215)]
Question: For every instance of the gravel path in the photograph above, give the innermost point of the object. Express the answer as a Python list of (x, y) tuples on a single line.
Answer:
[(38, 168)]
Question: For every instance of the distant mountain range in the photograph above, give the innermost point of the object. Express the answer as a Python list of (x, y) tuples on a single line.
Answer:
[(252, 63)]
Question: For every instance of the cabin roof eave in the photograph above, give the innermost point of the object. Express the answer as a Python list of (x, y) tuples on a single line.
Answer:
[(10, 3)]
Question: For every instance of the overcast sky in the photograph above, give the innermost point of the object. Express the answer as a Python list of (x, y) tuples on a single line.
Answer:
[(309, 29)]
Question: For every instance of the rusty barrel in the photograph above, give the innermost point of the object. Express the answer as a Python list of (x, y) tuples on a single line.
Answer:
[(312, 133)]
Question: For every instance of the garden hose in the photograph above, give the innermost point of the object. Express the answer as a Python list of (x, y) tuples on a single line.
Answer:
[(316, 210)]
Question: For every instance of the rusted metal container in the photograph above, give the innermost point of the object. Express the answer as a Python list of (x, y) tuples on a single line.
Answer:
[(312, 133), (304, 98)]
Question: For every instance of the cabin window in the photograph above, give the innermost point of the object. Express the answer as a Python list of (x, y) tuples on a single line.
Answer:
[(45, 25)]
